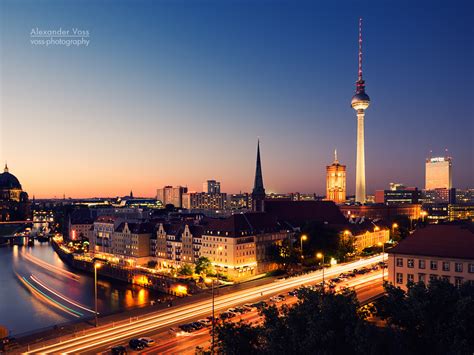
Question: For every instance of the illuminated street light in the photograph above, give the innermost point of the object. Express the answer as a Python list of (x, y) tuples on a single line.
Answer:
[(304, 237), (321, 256), (423, 215), (380, 244), (207, 280), (96, 266)]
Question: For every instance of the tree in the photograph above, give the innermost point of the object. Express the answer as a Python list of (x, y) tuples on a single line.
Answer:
[(284, 255), (203, 266), (437, 319), (321, 238), (318, 324), (186, 270)]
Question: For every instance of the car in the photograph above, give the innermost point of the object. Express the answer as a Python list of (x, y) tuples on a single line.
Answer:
[(260, 305), (197, 325), (119, 350), (241, 310), (206, 322), (234, 310), (147, 341), (336, 280), (136, 344), (249, 306), (275, 299), (293, 293), (187, 328), (227, 315), (282, 297)]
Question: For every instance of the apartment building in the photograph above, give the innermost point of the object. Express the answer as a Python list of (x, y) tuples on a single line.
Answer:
[(437, 251)]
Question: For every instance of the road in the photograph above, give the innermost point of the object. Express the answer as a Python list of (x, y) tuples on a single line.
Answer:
[(155, 323)]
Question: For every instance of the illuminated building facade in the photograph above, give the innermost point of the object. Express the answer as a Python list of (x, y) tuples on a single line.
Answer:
[(438, 172), (360, 102), (211, 187), (336, 181), (205, 201), (170, 195), (14, 204), (435, 252)]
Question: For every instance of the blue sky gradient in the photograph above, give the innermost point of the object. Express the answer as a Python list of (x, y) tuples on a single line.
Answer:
[(177, 92)]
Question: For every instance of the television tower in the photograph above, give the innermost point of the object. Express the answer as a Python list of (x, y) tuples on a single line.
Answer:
[(360, 102)]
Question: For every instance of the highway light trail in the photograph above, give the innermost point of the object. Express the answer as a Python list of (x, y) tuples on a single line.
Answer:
[(154, 321), (44, 297), (49, 267), (56, 293)]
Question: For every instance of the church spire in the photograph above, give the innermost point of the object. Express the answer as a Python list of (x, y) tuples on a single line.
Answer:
[(335, 157), (6, 168), (258, 192)]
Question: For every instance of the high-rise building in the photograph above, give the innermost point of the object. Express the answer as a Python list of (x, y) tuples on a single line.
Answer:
[(336, 181), (360, 102), (438, 173), (170, 195), (205, 201), (211, 187), (258, 192)]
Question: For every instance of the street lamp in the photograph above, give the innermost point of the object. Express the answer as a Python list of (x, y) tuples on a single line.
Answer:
[(423, 215), (304, 237), (219, 249), (381, 244), (321, 256), (96, 266)]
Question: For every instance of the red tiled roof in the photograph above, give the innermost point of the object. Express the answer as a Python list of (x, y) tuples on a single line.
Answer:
[(451, 241)]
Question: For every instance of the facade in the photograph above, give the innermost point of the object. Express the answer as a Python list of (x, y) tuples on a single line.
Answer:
[(205, 201), (465, 196), (211, 187), (461, 211), (381, 211), (370, 238), (131, 242), (14, 204), (241, 201), (170, 195), (398, 197), (238, 245), (258, 192), (336, 181), (103, 230), (441, 195), (360, 102), (437, 251), (438, 172)]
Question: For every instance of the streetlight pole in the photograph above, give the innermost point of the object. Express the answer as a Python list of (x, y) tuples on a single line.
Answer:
[(321, 256), (302, 238), (96, 266), (219, 249)]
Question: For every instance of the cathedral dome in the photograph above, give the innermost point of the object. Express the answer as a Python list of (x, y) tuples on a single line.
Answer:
[(9, 181)]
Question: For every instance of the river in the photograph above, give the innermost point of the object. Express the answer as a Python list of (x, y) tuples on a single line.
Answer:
[(23, 310)]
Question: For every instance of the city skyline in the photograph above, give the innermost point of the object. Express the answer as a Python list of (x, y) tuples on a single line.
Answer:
[(191, 106)]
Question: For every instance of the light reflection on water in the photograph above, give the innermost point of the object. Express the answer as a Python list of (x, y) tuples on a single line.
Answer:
[(20, 311)]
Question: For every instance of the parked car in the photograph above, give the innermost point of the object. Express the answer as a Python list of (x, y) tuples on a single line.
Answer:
[(187, 328), (282, 297), (249, 306), (276, 299), (176, 331), (241, 310), (147, 341), (119, 350), (234, 310), (260, 305), (136, 344), (293, 293)]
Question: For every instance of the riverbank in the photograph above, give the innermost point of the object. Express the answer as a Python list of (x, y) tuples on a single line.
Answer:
[(162, 283)]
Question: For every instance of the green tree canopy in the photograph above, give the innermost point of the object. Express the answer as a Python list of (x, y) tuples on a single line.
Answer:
[(203, 266), (186, 270)]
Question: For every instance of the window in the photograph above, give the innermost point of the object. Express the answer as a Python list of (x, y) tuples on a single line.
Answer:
[(421, 264), (446, 278), (457, 281), (458, 267), (471, 268), (421, 278), (399, 278), (400, 262), (410, 278), (445, 265), (411, 263), (433, 265), (433, 277)]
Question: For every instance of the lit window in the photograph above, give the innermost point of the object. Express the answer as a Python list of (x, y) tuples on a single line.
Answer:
[(421, 264), (433, 265), (411, 263), (400, 262), (458, 267), (445, 265), (399, 278)]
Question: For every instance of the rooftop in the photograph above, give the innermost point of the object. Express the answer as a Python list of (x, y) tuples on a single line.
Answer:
[(450, 241)]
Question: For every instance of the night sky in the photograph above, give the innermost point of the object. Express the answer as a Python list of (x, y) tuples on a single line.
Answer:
[(177, 92)]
